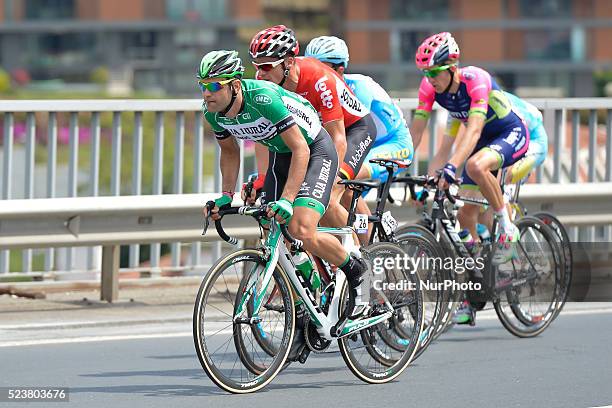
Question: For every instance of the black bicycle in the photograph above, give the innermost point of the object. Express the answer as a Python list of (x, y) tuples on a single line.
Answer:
[(526, 291)]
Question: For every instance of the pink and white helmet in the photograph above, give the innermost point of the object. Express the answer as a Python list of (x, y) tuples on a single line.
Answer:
[(436, 50)]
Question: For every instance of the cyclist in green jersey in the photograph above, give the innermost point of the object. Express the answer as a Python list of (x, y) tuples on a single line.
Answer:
[(302, 158)]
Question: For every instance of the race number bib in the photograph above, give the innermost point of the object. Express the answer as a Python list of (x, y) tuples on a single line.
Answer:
[(361, 223), (389, 223)]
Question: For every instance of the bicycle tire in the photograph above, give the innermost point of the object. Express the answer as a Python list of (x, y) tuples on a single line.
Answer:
[(205, 298), (528, 325), (422, 238), (381, 373), (565, 245)]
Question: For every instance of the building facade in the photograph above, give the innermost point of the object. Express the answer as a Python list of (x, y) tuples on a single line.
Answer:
[(547, 47)]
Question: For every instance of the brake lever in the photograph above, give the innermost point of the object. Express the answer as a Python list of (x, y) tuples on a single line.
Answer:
[(209, 206)]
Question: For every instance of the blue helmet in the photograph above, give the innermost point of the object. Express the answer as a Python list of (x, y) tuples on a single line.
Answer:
[(328, 49)]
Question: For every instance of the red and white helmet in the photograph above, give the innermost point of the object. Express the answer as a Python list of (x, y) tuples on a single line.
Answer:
[(274, 42), (436, 50)]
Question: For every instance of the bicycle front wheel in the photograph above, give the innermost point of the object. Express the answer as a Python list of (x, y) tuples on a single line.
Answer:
[(217, 325)]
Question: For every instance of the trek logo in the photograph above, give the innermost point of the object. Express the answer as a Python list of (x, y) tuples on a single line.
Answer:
[(363, 145), (325, 94)]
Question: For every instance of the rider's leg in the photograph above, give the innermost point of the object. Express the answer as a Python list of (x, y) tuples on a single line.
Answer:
[(479, 168), (303, 226)]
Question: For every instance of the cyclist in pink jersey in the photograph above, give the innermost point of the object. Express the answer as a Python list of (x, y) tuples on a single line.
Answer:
[(495, 136)]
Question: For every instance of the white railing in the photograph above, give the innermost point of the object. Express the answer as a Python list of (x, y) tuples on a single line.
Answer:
[(34, 127)]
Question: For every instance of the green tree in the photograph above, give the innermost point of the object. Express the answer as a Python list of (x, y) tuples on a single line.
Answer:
[(5, 81)]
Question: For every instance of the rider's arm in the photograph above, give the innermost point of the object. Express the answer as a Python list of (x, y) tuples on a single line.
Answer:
[(421, 114), (417, 127), (230, 162), (478, 85), (261, 156), (335, 128), (300, 155), (442, 154)]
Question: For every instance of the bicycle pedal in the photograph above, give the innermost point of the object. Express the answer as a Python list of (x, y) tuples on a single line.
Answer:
[(303, 356)]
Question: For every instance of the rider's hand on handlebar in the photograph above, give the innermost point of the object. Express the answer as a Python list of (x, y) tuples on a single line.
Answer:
[(223, 202), (447, 176), (252, 189), (281, 209)]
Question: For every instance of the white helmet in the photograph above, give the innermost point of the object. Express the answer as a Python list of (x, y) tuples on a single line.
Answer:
[(328, 49)]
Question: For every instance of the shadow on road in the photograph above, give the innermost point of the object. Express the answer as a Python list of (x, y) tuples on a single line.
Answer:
[(164, 390)]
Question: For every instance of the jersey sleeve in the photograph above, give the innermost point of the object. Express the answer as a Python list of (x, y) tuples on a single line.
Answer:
[(220, 132), (327, 98), (478, 85), (271, 106), (427, 97)]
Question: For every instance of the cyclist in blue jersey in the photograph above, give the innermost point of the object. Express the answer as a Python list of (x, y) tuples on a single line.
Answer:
[(392, 136)]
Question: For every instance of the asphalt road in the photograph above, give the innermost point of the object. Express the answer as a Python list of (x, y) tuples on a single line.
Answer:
[(154, 365)]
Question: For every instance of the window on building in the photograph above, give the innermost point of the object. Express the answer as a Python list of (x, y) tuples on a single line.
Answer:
[(196, 10), (140, 45), (545, 8), (548, 45), (430, 9), (63, 50), (49, 9), (409, 42)]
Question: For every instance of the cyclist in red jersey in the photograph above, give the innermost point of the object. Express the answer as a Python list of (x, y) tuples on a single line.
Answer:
[(347, 120), (274, 52)]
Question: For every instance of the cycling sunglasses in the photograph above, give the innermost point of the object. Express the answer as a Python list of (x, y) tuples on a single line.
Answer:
[(434, 72), (213, 86), (267, 66)]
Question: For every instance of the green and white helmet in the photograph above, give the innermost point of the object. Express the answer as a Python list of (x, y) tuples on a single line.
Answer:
[(220, 64)]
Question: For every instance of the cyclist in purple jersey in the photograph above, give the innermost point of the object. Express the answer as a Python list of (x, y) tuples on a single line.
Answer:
[(495, 136)]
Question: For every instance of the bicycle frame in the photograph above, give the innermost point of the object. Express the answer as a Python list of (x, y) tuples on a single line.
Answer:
[(329, 325)]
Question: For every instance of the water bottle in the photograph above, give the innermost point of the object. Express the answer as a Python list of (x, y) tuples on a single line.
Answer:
[(483, 233), (304, 266)]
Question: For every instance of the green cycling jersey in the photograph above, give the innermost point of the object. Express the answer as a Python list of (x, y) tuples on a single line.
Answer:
[(266, 112)]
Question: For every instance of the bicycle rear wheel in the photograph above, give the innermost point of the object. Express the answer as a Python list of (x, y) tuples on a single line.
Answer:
[(565, 244), (529, 288), (361, 357), (216, 325)]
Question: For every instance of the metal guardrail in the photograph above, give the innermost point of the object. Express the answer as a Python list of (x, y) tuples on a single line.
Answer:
[(41, 123), (111, 221)]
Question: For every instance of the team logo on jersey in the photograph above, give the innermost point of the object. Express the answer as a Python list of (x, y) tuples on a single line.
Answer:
[(325, 94), (263, 99), (469, 76)]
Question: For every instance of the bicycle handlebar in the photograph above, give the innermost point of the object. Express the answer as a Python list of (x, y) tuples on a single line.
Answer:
[(255, 212)]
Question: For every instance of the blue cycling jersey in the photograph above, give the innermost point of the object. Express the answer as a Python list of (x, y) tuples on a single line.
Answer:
[(386, 114), (530, 114)]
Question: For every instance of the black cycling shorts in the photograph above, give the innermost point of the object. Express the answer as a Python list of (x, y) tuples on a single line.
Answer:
[(318, 181), (360, 137)]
